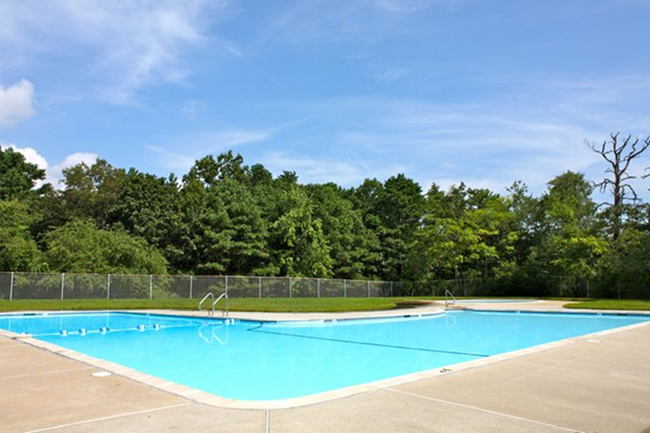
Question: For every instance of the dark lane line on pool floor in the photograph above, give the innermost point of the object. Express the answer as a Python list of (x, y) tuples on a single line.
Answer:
[(365, 343)]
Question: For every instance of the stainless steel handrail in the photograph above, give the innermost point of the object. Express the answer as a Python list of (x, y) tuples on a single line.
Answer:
[(449, 294), (223, 312), (214, 302), (203, 300)]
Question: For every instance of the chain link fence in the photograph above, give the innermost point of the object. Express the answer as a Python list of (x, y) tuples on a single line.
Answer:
[(548, 287), (20, 285)]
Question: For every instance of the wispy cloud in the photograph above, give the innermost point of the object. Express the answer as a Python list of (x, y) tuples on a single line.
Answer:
[(406, 6), (173, 160), (128, 45), (180, 157), (191, 108), (392, 75), (488, 143), (16, 103), (346, 172), (302, 22)]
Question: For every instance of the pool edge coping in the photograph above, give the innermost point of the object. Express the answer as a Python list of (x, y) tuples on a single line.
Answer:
[(209, 399)]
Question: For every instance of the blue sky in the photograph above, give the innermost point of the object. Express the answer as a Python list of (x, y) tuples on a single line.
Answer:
[(480, 91)]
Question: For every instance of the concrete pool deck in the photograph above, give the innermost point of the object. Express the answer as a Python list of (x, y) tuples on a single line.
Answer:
[(586, 384)]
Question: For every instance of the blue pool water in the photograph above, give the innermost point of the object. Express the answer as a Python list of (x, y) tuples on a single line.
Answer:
[(267, 361)]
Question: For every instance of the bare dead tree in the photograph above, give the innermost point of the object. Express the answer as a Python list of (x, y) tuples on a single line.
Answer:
[(619, 152)]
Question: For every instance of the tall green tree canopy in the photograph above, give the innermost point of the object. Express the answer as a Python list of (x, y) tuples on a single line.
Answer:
[(17, 176), (81, 247), (18, 249), (228, 218)]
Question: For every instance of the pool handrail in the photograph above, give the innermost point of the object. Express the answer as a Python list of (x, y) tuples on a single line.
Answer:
[(223, 312), (210, 294), (214, 302), (449, 294)]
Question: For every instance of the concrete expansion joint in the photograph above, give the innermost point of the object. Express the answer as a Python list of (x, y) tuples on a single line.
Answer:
[(122, 415), (267, 421), (488, 411)]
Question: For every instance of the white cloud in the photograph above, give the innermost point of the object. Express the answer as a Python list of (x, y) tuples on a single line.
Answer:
[(16, 103), (30, 154), (55, 174)]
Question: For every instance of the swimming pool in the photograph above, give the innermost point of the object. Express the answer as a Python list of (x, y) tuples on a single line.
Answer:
[(261, 361)]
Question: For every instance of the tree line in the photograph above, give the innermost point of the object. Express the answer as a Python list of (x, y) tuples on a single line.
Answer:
[(227, 218)]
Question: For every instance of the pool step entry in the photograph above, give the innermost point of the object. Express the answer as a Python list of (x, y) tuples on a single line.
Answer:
[(214, 302)]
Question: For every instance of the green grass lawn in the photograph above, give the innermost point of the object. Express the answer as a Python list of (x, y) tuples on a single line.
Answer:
[(240, 304), (612, 304), (294, 305)]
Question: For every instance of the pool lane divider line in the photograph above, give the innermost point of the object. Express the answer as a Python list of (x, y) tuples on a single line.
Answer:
[(365, 343), (488, 411), (106, 418)]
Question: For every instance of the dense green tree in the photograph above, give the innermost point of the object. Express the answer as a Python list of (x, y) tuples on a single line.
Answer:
[(17, 176), (393, 210), (230, 235), (18, 250), (354, 248), (150, 207), (572, 243), (296, 238), (467, 233), (81, 247), (625, 266), (259, 175), (91, 191), (209, 171), (227, 218)]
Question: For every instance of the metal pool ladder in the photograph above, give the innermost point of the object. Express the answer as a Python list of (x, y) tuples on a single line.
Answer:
[(214, 302), (448, 294)]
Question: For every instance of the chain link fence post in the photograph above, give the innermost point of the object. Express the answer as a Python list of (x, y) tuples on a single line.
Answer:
[(108, 287), (260, 287), (11, 287), (191, 285), (62, 284)]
